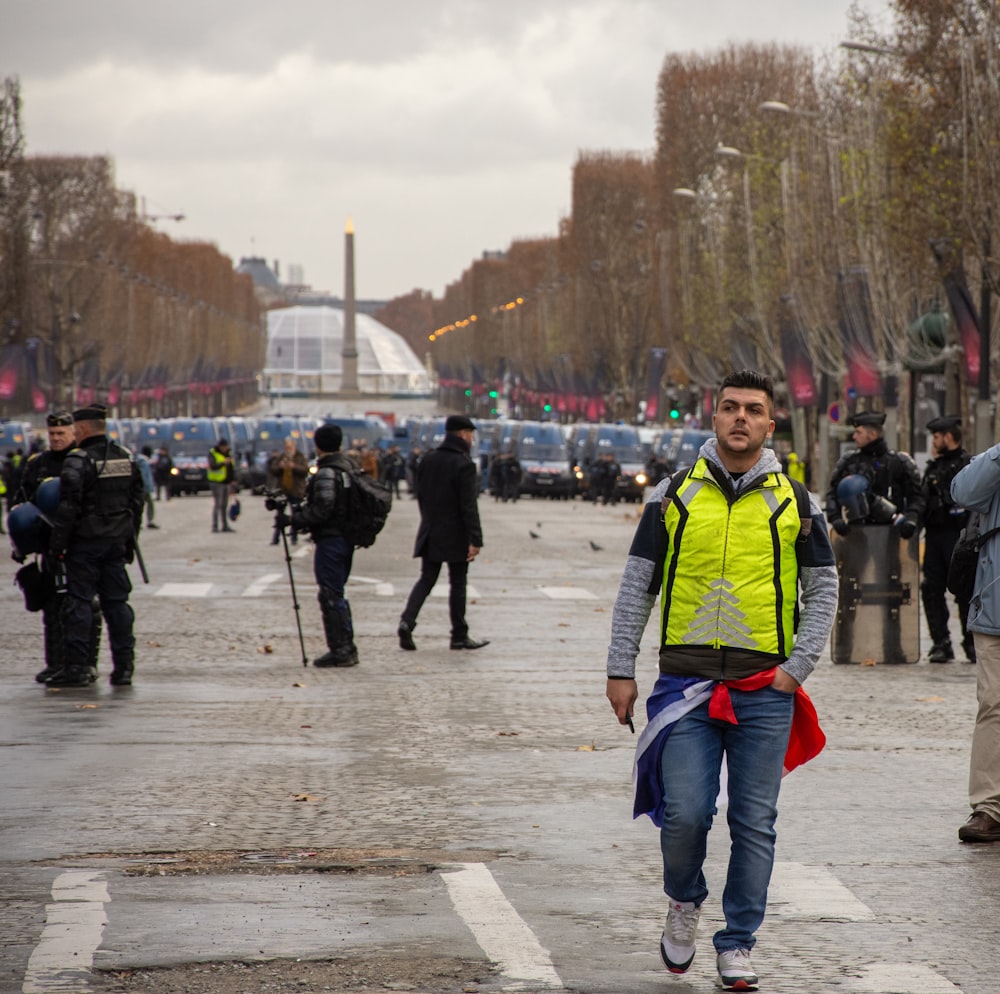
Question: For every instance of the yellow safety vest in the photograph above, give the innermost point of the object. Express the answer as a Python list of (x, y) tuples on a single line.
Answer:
[(730, 577), (218, 473)]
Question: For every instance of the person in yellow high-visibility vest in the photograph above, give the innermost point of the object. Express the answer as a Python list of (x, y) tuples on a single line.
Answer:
[(220, 480)]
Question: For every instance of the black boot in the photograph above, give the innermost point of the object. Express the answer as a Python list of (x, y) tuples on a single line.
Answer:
[(52, 628), (338, 630)]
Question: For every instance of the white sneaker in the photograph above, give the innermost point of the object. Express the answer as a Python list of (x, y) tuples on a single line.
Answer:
[(677, 942), (735, 971)]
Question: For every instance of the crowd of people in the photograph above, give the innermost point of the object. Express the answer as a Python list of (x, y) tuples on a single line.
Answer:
[(747, 564)]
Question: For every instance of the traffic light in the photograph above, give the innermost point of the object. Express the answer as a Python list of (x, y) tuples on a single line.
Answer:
[(468, 393), (493, 395), (547, 407)]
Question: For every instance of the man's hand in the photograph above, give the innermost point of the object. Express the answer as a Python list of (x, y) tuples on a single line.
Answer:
[(907, 527), (473, 552), (840, 526), (623, 695), (784, 682)]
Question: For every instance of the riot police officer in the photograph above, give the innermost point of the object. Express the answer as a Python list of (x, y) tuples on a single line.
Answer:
[(94, 529), (943, 519), (40, 467), (892, 475), (872, 485)]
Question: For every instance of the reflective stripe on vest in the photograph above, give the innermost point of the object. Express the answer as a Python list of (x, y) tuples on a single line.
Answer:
[(731, 573)]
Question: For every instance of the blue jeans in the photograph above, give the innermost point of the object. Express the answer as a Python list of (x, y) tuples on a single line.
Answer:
[(692, 759)]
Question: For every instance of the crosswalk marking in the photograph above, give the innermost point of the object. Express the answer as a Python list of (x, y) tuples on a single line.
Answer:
[(900, 978), (381, 588), (184, 590), (260, 585), (500, 931), (568, 594), (800, 891), (74, 926)]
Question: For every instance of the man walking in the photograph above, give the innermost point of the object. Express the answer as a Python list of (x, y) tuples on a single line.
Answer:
[(322, 514), (943, 519), (449, 532), (730, 543), (93, 536), (220, 480), (977, 487)]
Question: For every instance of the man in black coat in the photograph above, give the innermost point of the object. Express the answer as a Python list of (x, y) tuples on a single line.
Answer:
[(449, 531)]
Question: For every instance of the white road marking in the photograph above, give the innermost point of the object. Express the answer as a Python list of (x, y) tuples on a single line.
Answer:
[(800, 891), (74, 925), (500, 931), (568, 593), (441, 590), (900, 978), (184, 590), (382, 587), (260, 585)]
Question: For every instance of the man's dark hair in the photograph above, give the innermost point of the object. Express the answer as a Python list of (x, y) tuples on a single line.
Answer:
[(956, 434), (749, 379)]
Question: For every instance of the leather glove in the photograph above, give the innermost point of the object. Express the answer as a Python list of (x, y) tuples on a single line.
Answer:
[(282, 519), (840, 526), (907, 528), (130, 551)]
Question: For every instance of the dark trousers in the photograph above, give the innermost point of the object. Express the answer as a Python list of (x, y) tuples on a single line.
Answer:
[(332, 566), (938, 545), (429, 572), (98, 568)]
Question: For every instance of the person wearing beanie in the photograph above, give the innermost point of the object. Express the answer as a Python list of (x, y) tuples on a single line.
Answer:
[(449, 532), (322, 514)]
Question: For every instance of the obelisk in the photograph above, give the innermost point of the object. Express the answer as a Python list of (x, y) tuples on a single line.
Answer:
[(349, 351)]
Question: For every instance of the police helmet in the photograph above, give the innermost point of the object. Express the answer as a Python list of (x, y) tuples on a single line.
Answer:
[(47, 497), (852, 492), (28, 530)]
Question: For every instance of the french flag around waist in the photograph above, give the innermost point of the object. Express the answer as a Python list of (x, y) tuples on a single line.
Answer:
[(674, 696)]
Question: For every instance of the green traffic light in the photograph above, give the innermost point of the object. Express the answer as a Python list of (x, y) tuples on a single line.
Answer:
[(674, 413)]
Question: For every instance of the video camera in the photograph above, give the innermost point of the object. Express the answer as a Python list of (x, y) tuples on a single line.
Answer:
[(274, 500)]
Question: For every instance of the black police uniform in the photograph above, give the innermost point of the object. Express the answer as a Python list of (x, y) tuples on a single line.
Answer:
[(943, 519), (101, 499), (890, 474), (39, 468)]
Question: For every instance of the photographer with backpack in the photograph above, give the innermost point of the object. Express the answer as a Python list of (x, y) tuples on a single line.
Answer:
[(324, 514)]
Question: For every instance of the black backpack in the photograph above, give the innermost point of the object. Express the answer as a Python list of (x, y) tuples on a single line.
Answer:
[(965, 558), (367, 504)]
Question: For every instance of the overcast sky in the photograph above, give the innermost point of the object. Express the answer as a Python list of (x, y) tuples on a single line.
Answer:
[(443, 128)]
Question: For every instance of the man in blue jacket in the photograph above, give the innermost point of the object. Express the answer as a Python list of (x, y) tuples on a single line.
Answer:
[(977, 488)]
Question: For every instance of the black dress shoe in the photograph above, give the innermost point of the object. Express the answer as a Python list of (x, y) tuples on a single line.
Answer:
[(405, 633), (122, 677), (73, 676), (340, 658), (43, 675), (468, 643), (980, 827)]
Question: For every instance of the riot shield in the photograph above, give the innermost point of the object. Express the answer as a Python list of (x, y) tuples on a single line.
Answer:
[(878, 617)]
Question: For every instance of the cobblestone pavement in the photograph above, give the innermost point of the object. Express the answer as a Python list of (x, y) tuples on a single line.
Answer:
[(434, 762)]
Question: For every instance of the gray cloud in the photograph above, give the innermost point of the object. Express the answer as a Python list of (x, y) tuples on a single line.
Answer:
[(444, 128)]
